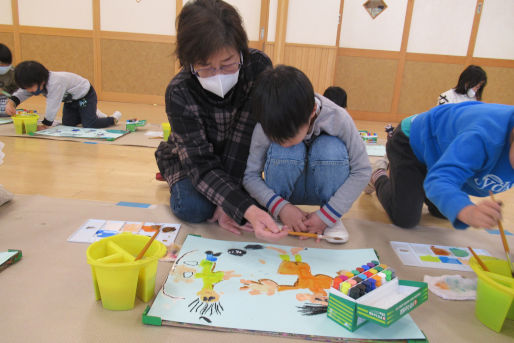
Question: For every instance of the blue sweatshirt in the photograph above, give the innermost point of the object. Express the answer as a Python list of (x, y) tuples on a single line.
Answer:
[(466, 150)]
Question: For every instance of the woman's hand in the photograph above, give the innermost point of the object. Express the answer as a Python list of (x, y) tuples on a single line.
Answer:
[(42, 127), (264, 225), (228, 223), (485, 214)]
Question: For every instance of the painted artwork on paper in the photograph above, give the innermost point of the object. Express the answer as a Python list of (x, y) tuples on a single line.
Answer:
[(80, 132), (435, 256), (261, 288)]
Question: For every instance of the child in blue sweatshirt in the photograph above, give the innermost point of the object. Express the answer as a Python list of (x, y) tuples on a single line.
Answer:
[(444, 155)]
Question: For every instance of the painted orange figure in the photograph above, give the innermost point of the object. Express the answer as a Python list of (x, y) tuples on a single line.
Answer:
[(317, 284)]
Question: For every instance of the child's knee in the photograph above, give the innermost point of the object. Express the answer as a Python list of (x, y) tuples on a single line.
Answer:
[(328, 148), (278, 152), (406, 222)]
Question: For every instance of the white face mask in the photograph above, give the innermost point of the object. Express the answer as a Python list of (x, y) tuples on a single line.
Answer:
[(219, 84), (471, 93), (4, 69)]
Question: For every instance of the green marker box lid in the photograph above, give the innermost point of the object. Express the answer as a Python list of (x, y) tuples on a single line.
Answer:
[(383, 306)]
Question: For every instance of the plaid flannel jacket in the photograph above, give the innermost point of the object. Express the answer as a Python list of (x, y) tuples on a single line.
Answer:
[(210, 136)]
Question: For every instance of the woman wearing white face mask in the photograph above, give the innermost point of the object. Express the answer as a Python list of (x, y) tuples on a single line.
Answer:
[(208, 107), (7, 83), (471, 84)]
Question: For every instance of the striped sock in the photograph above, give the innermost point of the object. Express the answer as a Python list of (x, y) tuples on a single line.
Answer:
[(376, 174)]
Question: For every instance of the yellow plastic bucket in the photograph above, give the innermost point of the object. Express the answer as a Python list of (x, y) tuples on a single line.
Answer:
[(166, 130), (25, 123), (495, 292), (117, 278)]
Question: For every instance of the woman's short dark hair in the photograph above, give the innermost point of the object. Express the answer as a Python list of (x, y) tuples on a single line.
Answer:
[(206, 26), (30, 73), (337, 95), (282, 102), (5, 54), (469, 78)]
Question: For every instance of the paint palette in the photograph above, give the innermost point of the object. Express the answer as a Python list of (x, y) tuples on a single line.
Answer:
[(435, 256), (95, 229)]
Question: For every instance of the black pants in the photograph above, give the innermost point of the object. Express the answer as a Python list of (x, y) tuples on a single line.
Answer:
[(402, 194), (84, 111)]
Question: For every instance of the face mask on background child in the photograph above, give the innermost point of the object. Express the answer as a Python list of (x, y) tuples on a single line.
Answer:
[(39, 90), (4, 69), (471, 93), (219, 84)]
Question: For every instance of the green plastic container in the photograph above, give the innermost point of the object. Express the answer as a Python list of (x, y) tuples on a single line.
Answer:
[(117, 278), (25, 123), (495, 292)]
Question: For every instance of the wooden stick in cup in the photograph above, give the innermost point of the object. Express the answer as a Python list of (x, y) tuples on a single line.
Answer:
[(479, 260), (145, 248), (504, 240)]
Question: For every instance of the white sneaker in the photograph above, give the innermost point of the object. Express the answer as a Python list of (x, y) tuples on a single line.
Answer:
[(116, 115), (100, 114), (336, 233)]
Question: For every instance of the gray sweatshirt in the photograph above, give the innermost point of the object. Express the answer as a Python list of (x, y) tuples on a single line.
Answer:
[(61, 86), (334, 121)]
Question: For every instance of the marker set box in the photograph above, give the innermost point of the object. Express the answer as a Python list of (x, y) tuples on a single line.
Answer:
[(382, 305)]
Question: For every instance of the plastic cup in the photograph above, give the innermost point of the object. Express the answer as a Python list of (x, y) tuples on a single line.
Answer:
[(18, 125), (25, 123), (166, 130), (117, 278), (495, 292), (30, 123)]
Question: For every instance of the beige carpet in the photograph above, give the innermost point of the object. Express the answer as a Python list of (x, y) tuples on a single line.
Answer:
[(48, 296), (137, 138)]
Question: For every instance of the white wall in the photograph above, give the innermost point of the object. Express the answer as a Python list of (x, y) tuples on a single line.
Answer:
[(76, 14), (250, 11), (360, 31), (441, 26), (5, 12), (311, 22), (495, 37), (153, 17)]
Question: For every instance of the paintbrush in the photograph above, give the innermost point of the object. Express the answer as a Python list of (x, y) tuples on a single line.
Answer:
[(147, 245), (479, 260), (331, 239), (5, 93), (504, 240)]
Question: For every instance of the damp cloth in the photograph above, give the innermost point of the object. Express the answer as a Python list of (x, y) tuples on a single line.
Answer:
[(452, 287)]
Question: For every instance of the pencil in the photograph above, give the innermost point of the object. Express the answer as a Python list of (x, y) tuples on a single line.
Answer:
[(145, 248), (504, 240), (479, 260), (303, 234)]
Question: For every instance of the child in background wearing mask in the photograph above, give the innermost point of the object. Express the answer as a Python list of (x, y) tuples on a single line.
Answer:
[(7, 83), (471, 84), (76, 92)]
